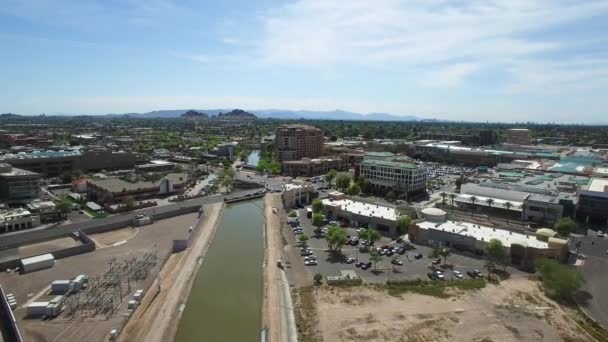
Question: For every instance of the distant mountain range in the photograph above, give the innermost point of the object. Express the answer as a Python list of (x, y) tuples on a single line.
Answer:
[(284, 114), (262, 114)]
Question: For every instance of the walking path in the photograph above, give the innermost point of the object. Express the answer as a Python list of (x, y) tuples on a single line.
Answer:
[(277, 311)]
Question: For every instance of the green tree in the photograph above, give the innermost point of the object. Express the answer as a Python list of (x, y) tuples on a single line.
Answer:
[(318, 277), (391, 195), (303, 239), (375, 258), (403, 223), (473, 200), (317, 206), (559, 280), (293, 213), (129, 201), (452, 198), (445, 253), (343, 181), (508, 205), (336, 238), (64, 206), (489, 266), (443, 196), (490, 201), (394, 261), (363, 184), (373, 236), (565, 226), (329, 177), (354, 190), (495, 252), (435, 252), (66, 177), (318, 220)]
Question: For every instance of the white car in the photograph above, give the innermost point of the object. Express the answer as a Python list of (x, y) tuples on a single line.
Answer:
[(458, 274), (600, 233), (310, 262)]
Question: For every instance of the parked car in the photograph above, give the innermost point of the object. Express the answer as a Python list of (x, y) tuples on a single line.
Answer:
[(457, 274), (366, 265), (310, 257), (418, 256), (477, 273), (397, 262), (359, 263), (600, 233), (350, 260), (471, 274), (439, 275), (310, 262), (432, 276), (436, 261), (401, 250)]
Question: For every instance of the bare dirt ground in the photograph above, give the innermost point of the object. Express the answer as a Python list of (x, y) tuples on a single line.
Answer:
[(114, 236), (38, 248), (157, 317), (271, 309), (515, 310)]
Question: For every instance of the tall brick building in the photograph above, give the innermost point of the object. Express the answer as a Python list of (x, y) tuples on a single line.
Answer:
[(294, 142)]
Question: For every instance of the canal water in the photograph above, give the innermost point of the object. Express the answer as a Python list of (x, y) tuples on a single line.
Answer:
[(226, 298), (253, 158)]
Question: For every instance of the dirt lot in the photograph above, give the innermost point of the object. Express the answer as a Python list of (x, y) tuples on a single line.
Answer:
[(114, 236), (516, 310), (26, 287), (38, 248)]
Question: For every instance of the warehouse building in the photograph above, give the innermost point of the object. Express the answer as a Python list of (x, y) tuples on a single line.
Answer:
[(522, 249), (116, 190)]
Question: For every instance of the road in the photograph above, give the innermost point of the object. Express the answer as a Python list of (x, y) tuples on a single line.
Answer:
[(39, 235), (594, 297)]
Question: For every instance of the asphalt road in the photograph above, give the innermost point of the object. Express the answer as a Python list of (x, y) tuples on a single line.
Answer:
[(411, 269), (593, 298), (46, 234)]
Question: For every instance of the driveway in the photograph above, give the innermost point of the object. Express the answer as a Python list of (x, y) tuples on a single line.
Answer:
[(594, 296)]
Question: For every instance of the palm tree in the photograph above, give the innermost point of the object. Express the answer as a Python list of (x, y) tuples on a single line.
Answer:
[(473, 200), (489, 266), (490, 202), (508, 205), (452, 197), (443, 196)]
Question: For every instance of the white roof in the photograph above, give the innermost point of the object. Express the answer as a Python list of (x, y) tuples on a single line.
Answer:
[(486, 234), (94, 206), (433, 211), (598, 184), (364, 209), (498, 203), (37, 258), (38, 304)]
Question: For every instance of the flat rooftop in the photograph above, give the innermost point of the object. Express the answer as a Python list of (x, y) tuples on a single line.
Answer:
[(598, 184), (364, 209), (482, 233)]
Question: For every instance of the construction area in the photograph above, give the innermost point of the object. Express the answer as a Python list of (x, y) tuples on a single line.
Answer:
[(90, 296)]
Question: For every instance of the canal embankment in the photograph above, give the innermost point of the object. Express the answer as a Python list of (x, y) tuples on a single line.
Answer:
[(156, 318)]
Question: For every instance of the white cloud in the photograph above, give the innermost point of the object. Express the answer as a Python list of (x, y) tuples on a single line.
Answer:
[(450, 76), (455, 37)]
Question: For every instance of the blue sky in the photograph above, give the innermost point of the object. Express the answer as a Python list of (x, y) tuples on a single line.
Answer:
[(478, 60)]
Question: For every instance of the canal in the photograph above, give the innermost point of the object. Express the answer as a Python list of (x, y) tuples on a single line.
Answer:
[(226, 298)]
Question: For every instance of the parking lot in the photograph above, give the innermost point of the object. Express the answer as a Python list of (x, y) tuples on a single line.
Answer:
[(412, 268)]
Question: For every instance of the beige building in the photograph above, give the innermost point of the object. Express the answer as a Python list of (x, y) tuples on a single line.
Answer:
[(307, 167), (295, 194), (294, 142)]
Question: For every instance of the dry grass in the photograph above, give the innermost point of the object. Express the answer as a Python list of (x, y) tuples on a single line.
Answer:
[(305, 310)]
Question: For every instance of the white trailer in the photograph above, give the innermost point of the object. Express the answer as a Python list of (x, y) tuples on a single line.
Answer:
[(60, 286), (37, 309), (79, 281), (37, 262), (138, 294)]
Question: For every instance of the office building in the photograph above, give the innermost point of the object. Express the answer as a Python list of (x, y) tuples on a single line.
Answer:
[(361, 214), (520, 136), (593, 201), (386, 172), (18, 186), (294, 142), (19, 219), (116, 190), (55, 163), (307, 167)]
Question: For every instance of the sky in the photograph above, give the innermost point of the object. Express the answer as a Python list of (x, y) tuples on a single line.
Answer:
[(476, 60)]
